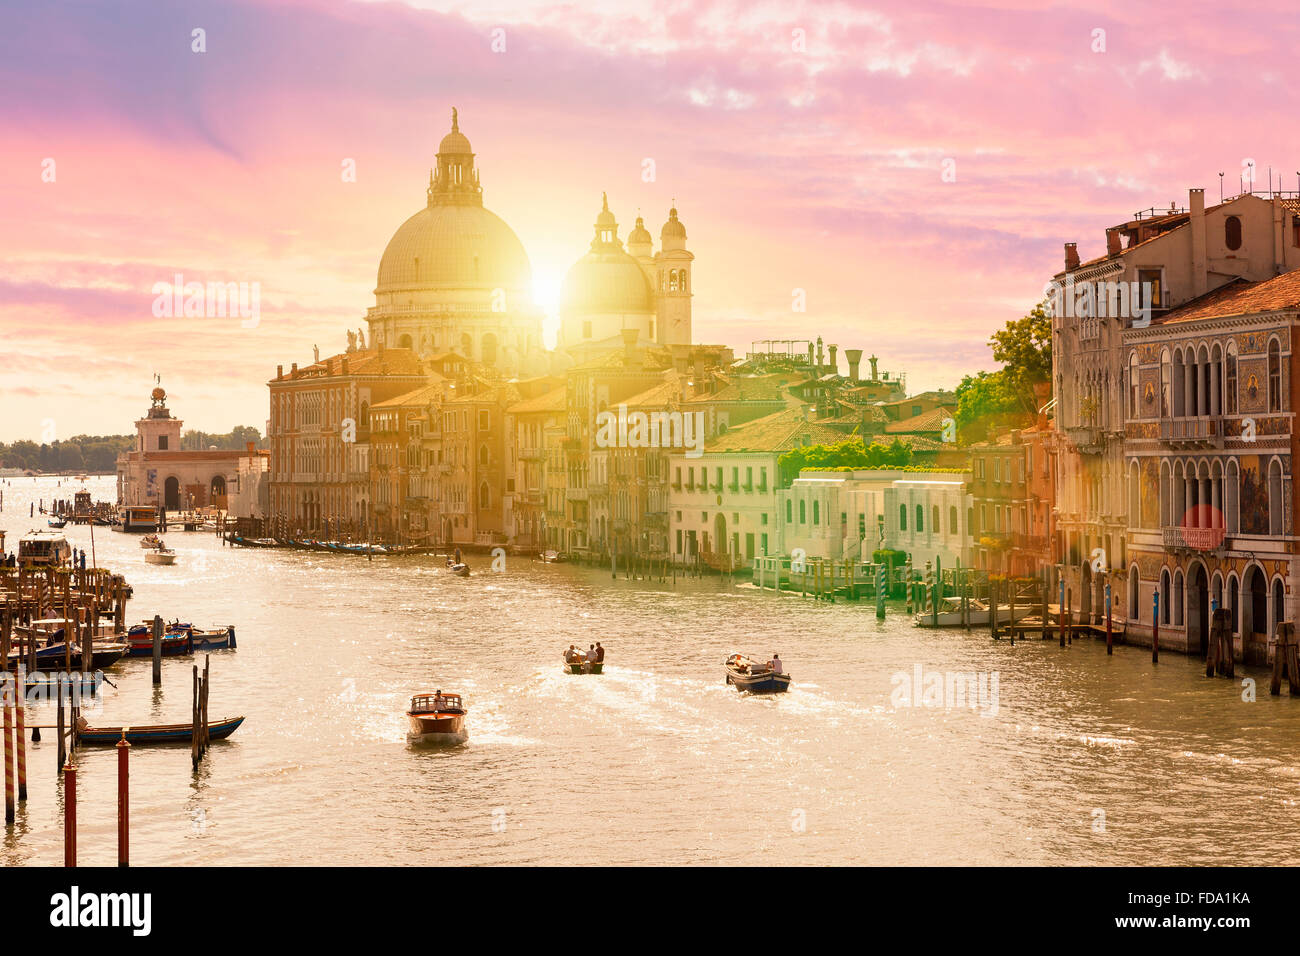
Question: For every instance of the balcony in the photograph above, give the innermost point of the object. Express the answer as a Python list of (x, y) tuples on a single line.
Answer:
[(1206, 430), (1086, 439), (1180, 538)]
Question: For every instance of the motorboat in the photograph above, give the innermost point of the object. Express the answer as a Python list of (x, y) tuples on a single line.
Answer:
[(436, 718), (161, 556), (151, 541), (757, 677)]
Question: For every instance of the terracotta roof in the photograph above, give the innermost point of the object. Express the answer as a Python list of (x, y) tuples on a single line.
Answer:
[(361, 362), (500, 394), (552, 401), (931, 421), (419, 396), (658, 397), (780, 431), (1241, 298)]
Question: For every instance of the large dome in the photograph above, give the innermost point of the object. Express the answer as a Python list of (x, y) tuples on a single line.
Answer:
[(606, 282), (454, 247)]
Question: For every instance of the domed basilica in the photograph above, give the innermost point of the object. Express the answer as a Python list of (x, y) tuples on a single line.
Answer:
[(456, 278)]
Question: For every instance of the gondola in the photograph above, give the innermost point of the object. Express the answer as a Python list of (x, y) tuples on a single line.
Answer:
[(155, 733)]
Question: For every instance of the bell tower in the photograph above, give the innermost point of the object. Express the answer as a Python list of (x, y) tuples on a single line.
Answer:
[(674, 283)]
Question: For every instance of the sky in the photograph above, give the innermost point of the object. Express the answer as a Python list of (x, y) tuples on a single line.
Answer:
[(911, 168)]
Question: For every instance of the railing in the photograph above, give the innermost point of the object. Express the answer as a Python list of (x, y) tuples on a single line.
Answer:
[(1182, 538), (1201, 430)]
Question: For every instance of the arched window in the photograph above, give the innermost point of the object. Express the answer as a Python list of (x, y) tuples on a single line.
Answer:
[(920, 519), (1134, 597), (1134, 399), (817, 512), (482, 454), (1274, 376), (902, 517), (935, 527), (789, 511), (970, 520), (1231, 376), (952, 519), (1177, 609), (1234, 612), (1166, 371), (803, 511), (1275, 497), (484, 496), (672, 281), (683, 281), (1279, 606), (1232, 233), (1164, 596)]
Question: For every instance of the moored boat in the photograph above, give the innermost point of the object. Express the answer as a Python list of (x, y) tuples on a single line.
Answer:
[(54, 657), (950, 613), (174, 644), (154, 733), (757, 677), (436, 718)]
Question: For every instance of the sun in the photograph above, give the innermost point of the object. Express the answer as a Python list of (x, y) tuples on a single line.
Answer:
[(547, 287)]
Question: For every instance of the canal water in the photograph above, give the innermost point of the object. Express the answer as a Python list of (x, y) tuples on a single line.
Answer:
[(1067, 757)]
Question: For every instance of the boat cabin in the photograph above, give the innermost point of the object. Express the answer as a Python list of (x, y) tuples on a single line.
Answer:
[(435, 703), (44, 547), (139, 518)]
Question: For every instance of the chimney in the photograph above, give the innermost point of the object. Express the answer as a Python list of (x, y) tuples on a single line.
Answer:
[(279, 372), (854, 357), (344, 365), (1200, 271), (251, 448), (1071, 256), (1113, 247), (293, 369), (835, 365), (873, 360)]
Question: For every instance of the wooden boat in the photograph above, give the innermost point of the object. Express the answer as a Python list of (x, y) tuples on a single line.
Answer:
[(582, 666), (161, 556), (174, 644), (47, 684), (461, 570), (950, 613), (436, 718), (58, 523), (151, 541), (754, 676), (155, 733), (54, 657)]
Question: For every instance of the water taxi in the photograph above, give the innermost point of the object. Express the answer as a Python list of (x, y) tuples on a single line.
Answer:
[(138, 518), (757, 677), (161, 556), (436, 718), (44, 547)]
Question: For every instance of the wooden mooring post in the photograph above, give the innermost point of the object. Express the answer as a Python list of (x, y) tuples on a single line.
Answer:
[(123, 801), (1155, 625), (1285, 657), (69, 815)]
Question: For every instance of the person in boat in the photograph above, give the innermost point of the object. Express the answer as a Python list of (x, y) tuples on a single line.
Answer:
[(774, 665), (600, 653), (439, 702), (570, 655), (458, 560), (591, 654)]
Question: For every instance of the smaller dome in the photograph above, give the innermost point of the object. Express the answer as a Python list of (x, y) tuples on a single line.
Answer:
[(610, 283), (639, 234), (605, 217), (673, 228), (455, 141)]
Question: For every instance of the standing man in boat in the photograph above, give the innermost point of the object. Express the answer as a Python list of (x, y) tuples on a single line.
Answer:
[(600, 653)]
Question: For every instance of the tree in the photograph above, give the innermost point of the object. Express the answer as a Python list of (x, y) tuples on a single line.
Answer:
[(850, 453), (990, 400)]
